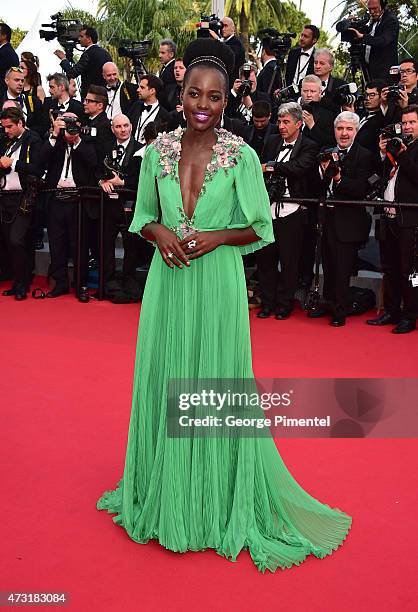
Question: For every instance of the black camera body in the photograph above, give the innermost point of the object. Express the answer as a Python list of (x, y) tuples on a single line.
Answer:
[(346, 95), (394, 91), (358, 23), (274, 181), (112, 164), (209, 22), (66, 31), (279, 42), (332, 155), (134, 49), (246, 85), (394, 130)]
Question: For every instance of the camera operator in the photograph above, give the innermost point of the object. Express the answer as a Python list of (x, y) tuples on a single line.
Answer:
[(323, 66), (399, 227), (234, 43), (19, 152), (167, 53), (90, 64), (318, 121), (59, 101), (32, 110), (243, 94), (260, 130), (398, 97), (148, 109), (380, 41), (292, 157), (300, 61), (70, 162), (121, 169), (345, 174), (8, 56), (121, 94), (372, 121), (95, 104)]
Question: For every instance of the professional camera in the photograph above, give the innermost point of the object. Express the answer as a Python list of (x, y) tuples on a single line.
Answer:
[(209, 22), (246, 84), (66, 31), (287, 93), (375, 187), (275, 182), (71, 125), (358, 23), (395, 138), (346, 94), (278, 42), (136, 51), (332, 155), (112, 164), (394, 91), (391, 131)]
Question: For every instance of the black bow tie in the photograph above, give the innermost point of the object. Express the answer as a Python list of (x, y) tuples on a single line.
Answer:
[(342, 152), (147, 107), (61, 106), (286, 146), (304, 53), (323, 83), (112, 87)]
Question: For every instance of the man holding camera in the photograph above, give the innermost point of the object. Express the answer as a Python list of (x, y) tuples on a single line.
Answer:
[(90, 64), (300, 61), (323, 67), (19, 152), (289, 159), (399, 227), (70, 163), (373, 120), (397, 97), (121, 94), (59, 101), (243, 94), (345, 172), (318, 121)]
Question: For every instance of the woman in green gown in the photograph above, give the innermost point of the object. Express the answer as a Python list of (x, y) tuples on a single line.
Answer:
[(201, 199)]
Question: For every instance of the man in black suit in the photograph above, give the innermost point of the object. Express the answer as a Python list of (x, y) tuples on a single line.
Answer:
[(121, 94), (8, 56), (239, 106), (90, 64), (59, 102), (95, 104), (234, 43), (300, 61), (373, 120), (268, 79), (318, 121), (70, 163), (19, 153), (119, 210), (32, 109), (260, 129), (380, 43), (323, 66), (172, 101), (399, 229), (294, 159), (346, 227), (148, 108), (167, 54), (393, 104)]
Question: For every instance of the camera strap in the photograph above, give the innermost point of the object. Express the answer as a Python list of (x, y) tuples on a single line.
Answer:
[(14, 146), (68, 151)]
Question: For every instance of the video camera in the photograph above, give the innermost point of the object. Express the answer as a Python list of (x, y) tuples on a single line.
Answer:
[(274, 181), (209, 22), (136, 51), (66, 31), (358, 23), (332, 154), (278, 42)]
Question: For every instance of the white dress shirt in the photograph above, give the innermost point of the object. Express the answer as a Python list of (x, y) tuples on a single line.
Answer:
[(113, 107), (146, 117), (302, 65), (284, 208)]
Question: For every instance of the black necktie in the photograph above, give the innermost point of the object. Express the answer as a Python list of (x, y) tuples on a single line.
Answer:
[(147, 107)]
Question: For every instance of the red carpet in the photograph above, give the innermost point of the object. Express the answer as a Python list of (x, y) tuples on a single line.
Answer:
[(66, 374)]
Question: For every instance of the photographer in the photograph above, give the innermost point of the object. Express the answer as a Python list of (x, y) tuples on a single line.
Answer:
[(397, 97), (95, 104), (59, 101), (318, 121), (234, 43), (289, 159), (167, 53), (19, 152), (69, 162), (243, 94), (148, 109), (121, 169), (323, 67), (8, 56), (372, 121), (32, 109), (398, 234), (90, 64), (258, 133), (300, 61), (121, 94), (345, 174), (380, 42)]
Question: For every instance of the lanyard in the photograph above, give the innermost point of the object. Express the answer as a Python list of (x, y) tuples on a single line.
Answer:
[(141, 124)]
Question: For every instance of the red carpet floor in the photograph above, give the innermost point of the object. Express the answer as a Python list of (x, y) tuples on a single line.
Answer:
[(66, 375)]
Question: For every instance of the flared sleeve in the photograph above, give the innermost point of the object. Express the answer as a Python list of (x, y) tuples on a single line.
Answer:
[(253, 205), (146, 208)]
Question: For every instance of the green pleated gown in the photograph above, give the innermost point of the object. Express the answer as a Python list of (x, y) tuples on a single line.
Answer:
[(191, 493)]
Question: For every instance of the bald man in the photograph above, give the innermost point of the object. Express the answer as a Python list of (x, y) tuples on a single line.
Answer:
[(121, 95), (234, 43)]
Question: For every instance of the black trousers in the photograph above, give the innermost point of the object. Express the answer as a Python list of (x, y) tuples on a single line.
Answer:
[(62, 235), (17, 236), (278, 288), (398, 259), (338, 258), (307, 259)]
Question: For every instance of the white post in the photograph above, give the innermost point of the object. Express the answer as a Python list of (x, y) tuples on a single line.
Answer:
[(218, 7)]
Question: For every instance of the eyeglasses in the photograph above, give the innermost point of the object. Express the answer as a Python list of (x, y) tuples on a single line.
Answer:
[(407, 71), (370, 95), (88, 100)]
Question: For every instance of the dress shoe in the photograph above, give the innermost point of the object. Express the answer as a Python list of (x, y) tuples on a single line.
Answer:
[(20, 294), (9, 292), (385, 319), (283, 313), (265, 313), (56, 292), (337, 321), (84, 296), (316, 313), (404, 326)]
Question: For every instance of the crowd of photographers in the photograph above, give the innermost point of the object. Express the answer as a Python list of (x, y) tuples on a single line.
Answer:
[(316, 137)]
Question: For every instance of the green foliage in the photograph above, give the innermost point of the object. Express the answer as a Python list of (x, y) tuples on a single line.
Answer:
[(17, 35)]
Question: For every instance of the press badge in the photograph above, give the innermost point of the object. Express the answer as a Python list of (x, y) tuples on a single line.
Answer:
[(414, 279)]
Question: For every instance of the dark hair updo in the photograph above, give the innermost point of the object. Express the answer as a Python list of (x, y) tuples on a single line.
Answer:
[(209, 53)]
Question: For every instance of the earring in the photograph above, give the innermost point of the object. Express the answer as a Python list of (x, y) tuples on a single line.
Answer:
[(222, 118)]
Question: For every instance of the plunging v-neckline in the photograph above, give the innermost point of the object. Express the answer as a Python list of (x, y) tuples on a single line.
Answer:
[(205, 177)]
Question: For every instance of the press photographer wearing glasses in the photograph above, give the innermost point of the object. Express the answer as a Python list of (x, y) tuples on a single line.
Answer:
[(397, 97)]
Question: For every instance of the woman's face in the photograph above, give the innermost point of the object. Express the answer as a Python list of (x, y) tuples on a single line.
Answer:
[(23, 66), (204, 98)]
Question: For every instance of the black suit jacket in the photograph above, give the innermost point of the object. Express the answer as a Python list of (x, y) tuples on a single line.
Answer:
[(292, 64), (323, 130), (353, 222), (238, 50), (51, 104), (299, 168), (171, 97), (406, 186), (384, 46), (33, 107), (257, 139), (83, 163), (103, 136), (167, 73), (327, 99), (162, 118), (264, 78), (128, 96), (89, 67), (130, 164), (28, 162), (368, 136), (8, 58)]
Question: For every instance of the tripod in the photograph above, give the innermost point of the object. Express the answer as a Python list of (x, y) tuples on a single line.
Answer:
[(355, 69)]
